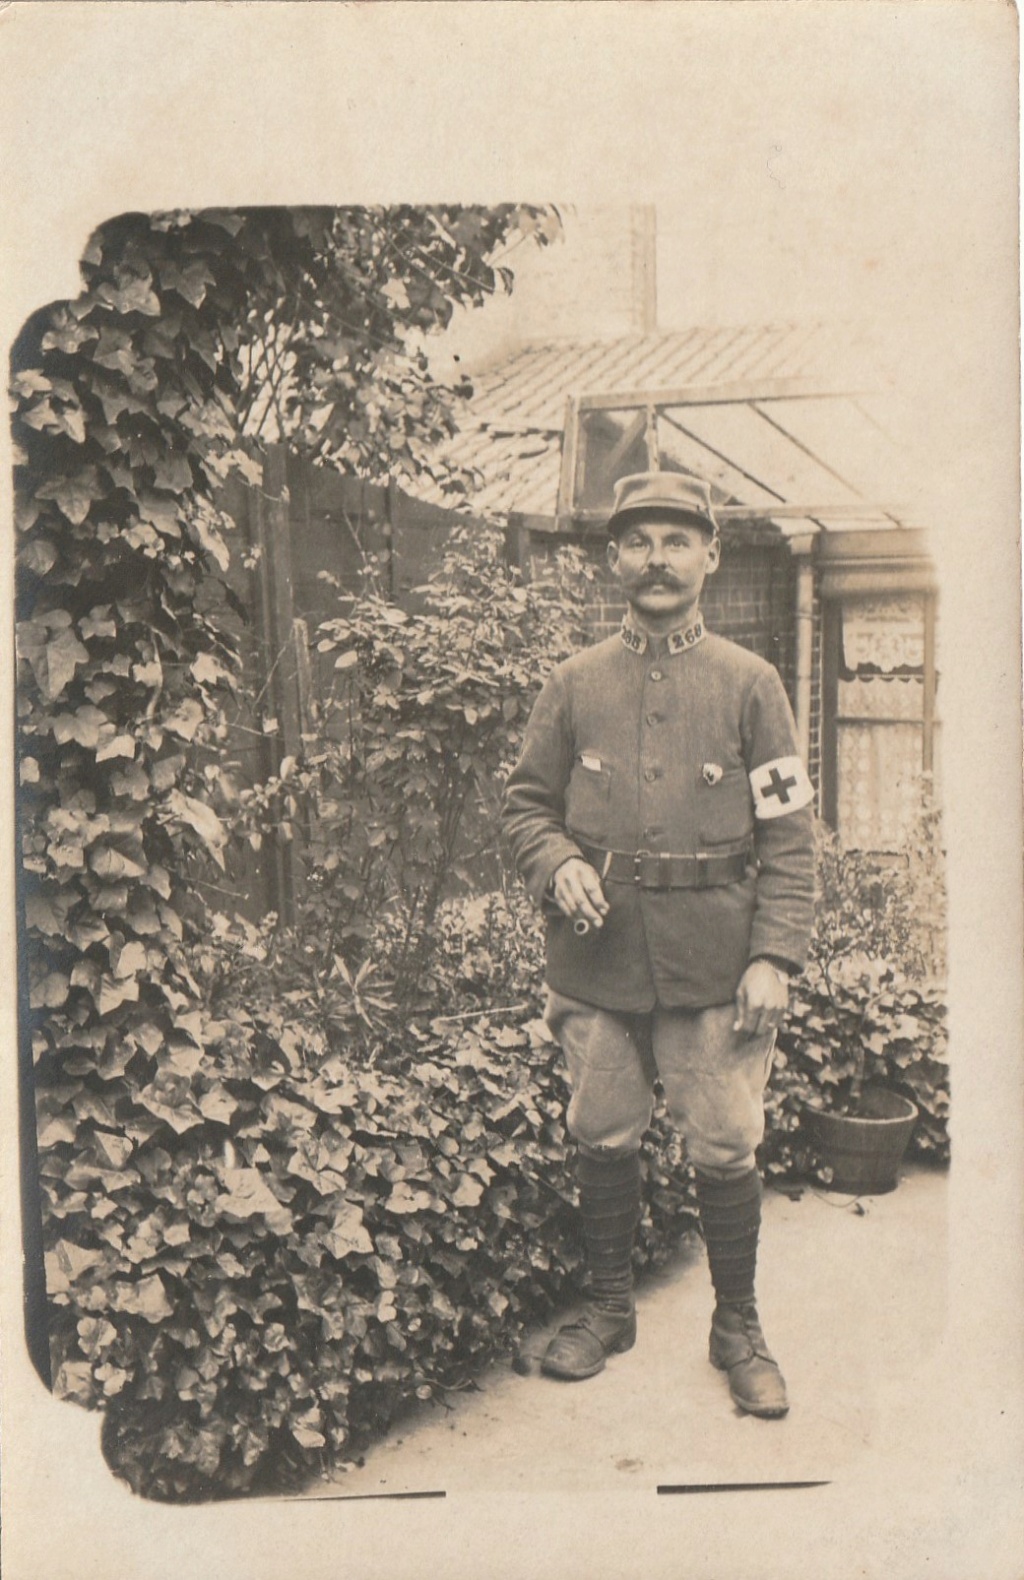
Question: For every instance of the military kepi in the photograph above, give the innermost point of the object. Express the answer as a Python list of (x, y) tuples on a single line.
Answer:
[(664, 493)]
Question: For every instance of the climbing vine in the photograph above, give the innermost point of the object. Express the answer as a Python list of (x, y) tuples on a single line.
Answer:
[(195, 336)]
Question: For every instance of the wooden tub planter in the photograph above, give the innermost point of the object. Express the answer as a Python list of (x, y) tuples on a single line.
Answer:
[(864, 1149)]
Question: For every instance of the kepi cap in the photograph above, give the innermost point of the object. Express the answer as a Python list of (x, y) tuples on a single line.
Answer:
[(671, 492)]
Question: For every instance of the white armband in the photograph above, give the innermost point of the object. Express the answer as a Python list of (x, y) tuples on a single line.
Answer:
[(779, 787)]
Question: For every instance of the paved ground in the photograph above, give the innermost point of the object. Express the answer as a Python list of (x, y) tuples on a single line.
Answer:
[(852, 1300), (909, 1409)]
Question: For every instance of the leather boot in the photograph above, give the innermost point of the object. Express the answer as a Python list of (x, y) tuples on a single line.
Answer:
[(738, 1348), (730, 1212), (610, 1208)]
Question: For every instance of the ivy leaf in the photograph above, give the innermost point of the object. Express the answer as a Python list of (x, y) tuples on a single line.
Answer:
[(136, 296), (159, 880), (48, 914), (150, 1037), (146, 1298), (87, 974), (54, 661), (97, 623), (172, 472), (130, 959), (113, 865), (133, 782), (160, 512), (67, 334), (140, 535), (67, 1263), (217, 1105), (508, 1037), (49, 991), (190, 282), (201, 817), (468, 1193), (72, 420), (39, 556), (212, 541), (117, 746), (114, 351), (405, 1199), (74, 1381), (247, 1195), (186, 719), (57, 1129), (116, 1150), (32, 381), (112, 993), (74, 494), (348, 1234), (85, 726), (208, 672), (87, 931)]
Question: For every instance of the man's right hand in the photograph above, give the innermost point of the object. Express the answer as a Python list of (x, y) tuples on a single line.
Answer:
[(577, 891)]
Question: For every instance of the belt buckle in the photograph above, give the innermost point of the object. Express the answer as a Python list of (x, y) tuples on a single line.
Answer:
[(702, 861), (638, 867)]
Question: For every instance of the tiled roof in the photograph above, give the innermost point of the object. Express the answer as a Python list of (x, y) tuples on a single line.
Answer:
[(530, 389), (511, 429)]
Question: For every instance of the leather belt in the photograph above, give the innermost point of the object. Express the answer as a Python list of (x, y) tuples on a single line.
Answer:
[(651, 869)]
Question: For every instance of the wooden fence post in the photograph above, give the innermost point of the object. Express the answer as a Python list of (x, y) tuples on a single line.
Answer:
[(280, 689)]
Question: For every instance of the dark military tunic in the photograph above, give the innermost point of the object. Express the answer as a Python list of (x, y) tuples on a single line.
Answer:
[(685, 746)]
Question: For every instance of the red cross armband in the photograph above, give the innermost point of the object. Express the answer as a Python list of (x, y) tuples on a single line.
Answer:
[(780, 786)]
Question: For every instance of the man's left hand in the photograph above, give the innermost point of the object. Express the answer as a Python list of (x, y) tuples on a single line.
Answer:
[(761, 999)]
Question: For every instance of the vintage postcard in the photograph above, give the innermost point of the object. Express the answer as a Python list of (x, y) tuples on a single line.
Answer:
[(514, 825)]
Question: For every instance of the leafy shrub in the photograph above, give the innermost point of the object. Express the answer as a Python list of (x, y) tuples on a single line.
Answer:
[(415, 738), (131, 405), (304, 1241), (870, 1007)]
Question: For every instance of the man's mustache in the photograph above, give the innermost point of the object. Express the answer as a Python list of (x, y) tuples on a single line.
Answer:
[(656, 580)]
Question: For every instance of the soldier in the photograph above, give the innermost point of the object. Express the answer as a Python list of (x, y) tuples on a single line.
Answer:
[(661, 815)]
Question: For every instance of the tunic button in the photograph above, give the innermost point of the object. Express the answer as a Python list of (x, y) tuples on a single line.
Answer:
[(651, 773), (656, 674), (653, 718)]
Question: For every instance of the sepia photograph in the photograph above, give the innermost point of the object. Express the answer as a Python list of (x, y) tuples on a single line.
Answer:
[(515, 803)]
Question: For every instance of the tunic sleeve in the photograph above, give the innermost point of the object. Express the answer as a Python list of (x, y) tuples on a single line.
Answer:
[(783, 825), (533, 809)]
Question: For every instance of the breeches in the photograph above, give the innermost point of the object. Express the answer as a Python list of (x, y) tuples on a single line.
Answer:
[(713, 1078)]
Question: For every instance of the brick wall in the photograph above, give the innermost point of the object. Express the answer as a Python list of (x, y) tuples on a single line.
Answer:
[(750, 599)]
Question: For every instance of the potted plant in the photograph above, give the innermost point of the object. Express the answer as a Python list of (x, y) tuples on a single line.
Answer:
[(861, 1061), (860, 1124)]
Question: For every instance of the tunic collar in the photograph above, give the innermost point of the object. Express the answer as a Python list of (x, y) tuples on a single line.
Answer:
[(679, 641)]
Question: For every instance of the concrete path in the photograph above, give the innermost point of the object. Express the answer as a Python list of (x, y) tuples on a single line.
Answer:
[(852, 1298), (906, 1414)]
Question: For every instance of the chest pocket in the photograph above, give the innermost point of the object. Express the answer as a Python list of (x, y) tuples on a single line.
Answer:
[(725, 812), (587, 800)]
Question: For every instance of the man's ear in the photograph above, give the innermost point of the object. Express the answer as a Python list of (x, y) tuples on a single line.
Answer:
[(612, 552), (714, 555)]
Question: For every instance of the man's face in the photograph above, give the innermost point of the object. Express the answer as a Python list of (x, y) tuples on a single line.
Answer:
[(662, 566)]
